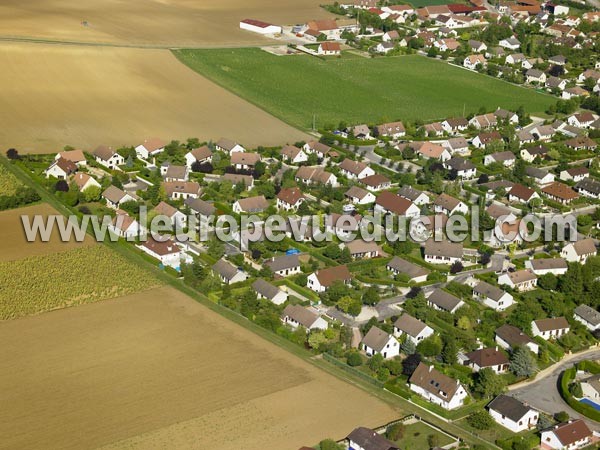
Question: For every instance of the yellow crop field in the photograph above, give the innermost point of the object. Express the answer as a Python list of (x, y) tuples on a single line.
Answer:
[(157, 370), (8, 182), (150, 22), (82, 275), (57, 95)]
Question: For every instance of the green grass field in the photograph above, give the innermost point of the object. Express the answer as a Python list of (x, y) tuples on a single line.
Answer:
[(416, 437), (356, 89)]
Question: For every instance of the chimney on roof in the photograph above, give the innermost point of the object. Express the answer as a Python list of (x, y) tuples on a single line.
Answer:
[(430, 368)]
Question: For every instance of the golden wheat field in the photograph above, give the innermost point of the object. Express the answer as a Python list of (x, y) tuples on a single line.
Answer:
[(150, 22), (158, 370), (14, 245), (54, 95)]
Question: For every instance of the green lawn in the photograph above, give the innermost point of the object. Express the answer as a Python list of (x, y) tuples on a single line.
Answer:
[(356, 89), (416, 436)]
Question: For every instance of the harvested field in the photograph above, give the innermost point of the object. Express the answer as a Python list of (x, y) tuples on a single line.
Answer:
[(158, 370), (14, 245), (83, 275), (358, 90), (56, 95), (150, 22)]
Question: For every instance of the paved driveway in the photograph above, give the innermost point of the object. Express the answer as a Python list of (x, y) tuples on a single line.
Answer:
[(543, 393)]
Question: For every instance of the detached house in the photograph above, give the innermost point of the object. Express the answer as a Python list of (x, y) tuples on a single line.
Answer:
[(555, 266), (571, 435), (228, 146), (107, 157), (415, 273), (125, 226), (455, 125), (587, 316), (316, 147), (444, 301), (388, 202), (378, 342), (512, 414), (296, 316), (540, 176), (492, 296), (176, 217), (329, 49), (448, 205), (182, 190), (284, 266), (289, 199), (473, 61), (429, 150), (464, 168), (437, 387), (364, 249), (560, 192), (419, 198), (166, 251), (507, 159), (256, 204), (510, 337), (150, 147), (394, 130), (228, 273), (85, 181), (75, 156), (355, 170), (582, 120), (487, 358), (359, 196), (244, 161), (575, 174), (535, 76), (521, 280), (316, 175), (321, 280), (443, 252), (588, 187), (266, 290), (376, 182), (115, 197), (579, 251), (521, 194), (202, 155), (61, 169), (412, 328), (550, 328), (293, 154), (483, 139), (172, 172), (366, 439)]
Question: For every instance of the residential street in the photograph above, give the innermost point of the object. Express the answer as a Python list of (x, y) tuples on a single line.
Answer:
[(543, 394)]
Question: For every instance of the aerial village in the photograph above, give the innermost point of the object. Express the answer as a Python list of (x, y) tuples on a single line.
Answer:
[(454, 327)]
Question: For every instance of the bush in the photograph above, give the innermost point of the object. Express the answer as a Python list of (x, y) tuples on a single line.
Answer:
[(395, 432), (354, 359), (480, 420), (562, 416)]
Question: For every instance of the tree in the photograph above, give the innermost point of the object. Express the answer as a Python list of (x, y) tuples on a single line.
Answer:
[(408, 347), (480, 420), (543, 422), (332, 251), (410, 363), (371, 296), (395, 432), (354, 359), (522, 363), (91, 194), (430, 346), (376, 362), (61, 186), (215, 248), (330, 444), (12, 153), (562, 416), (450, 351), (488, 384), (349, 305), (456, 267), (316, 339), (548, 281)]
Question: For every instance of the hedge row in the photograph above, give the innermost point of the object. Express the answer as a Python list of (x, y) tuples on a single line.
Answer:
[(565, 379)]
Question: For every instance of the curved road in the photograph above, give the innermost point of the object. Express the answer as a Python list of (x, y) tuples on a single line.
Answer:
[(542, 393)]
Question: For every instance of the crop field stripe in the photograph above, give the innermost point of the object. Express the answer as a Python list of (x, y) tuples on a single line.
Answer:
[(125, 250), (354, 89)]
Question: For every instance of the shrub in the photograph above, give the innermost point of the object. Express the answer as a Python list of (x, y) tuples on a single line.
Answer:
[(354, 359), (480, 420), (395, 432)]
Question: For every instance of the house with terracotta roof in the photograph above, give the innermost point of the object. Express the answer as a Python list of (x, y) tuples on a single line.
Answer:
[(150, 147), (85, 181), (429, 150), (521, 280), (125, 226), (289, 199), (436, 387), (166, 251), (550, 328), (579, 251), (521, 194), (329, 49), (571, 435), (560, 192), (322, 279), (61, 169), (394, 130), (389, 203), (472, 62), (75, 156), (175, 217), (487, 358), (575, 174)]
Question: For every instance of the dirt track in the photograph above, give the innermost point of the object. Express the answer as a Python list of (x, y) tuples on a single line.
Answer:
[(54, 95), (158, 370)]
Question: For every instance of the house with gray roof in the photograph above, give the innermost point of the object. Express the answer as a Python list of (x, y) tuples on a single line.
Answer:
[(414, 329), (513, 414), (377, 341), (444, 301), (587, 316), (228, 273), (296, 316), (284, 266), (266, 290)]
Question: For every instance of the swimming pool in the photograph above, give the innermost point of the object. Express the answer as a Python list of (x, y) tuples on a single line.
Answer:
[(587, 401)]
